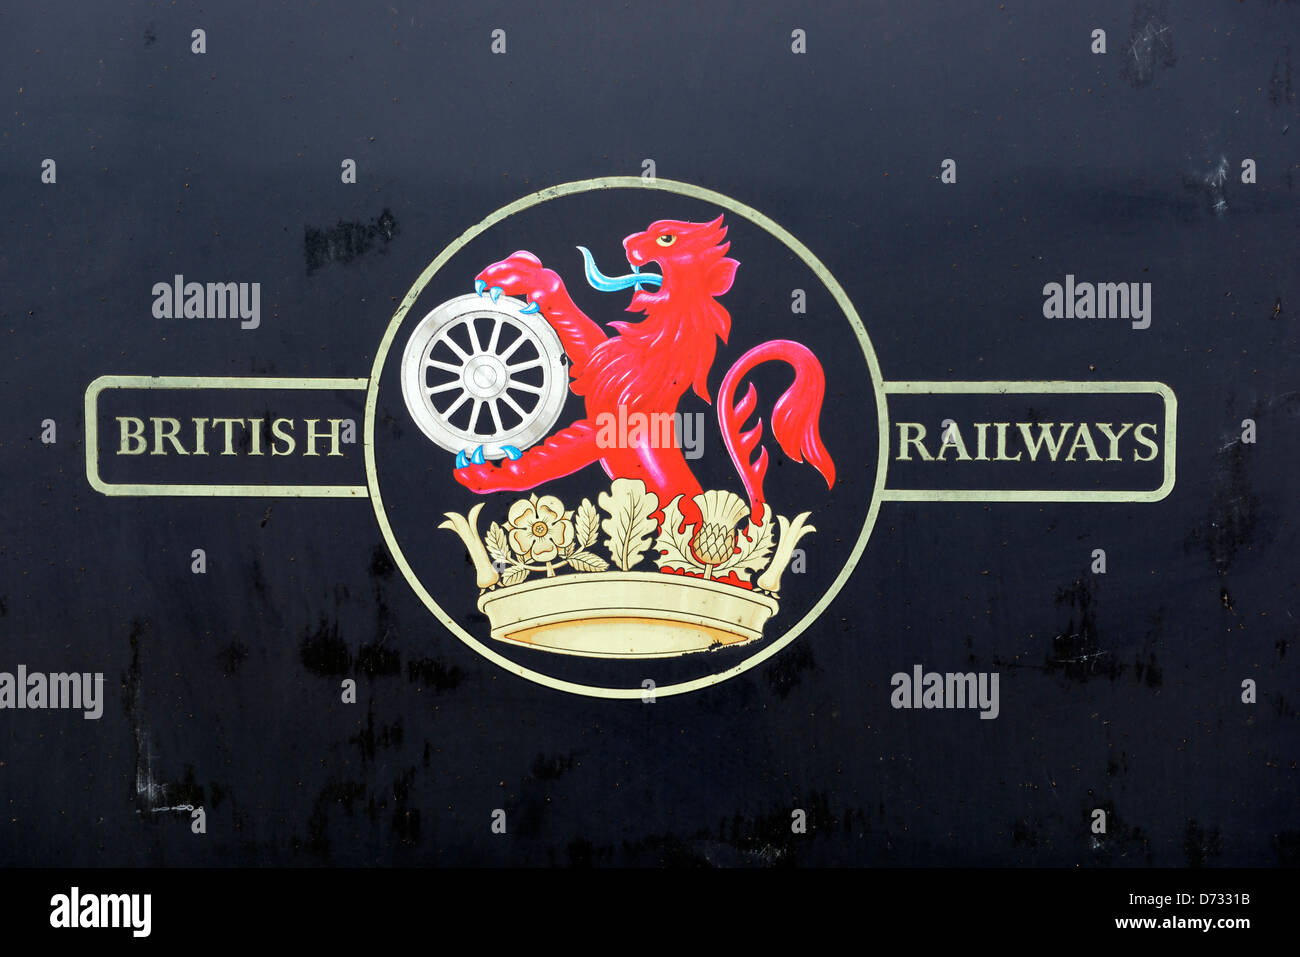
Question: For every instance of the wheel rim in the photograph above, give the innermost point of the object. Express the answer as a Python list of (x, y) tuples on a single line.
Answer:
[(477, 373)]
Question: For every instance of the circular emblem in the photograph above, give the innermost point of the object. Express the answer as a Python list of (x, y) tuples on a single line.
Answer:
[(651, 494)]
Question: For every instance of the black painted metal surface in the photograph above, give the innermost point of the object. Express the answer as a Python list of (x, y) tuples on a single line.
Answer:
[(1120, 691)]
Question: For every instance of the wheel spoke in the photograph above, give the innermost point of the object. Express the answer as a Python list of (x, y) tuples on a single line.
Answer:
[(473, 416), (444, 366), (473, 336), (464, 397), (535, 389), (496, 334), (447, 387), (509, 400), (451, 343), (513, 346), (496, 416), (521, 366)]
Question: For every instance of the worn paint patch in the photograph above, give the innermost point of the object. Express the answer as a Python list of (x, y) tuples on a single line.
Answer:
[(323, 652), (347, 241), (377, 735), (1150, 47), (431, 673), (785, 674), (152, 796), (1209, 182), (1280, 91), (1231, 522), (1201, 845), (231, 657), (549, 767), (1122, 843), (1077, 652), (1286, 844)]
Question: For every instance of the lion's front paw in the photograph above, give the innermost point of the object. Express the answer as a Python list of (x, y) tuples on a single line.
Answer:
[(475, 472), (519, 274)]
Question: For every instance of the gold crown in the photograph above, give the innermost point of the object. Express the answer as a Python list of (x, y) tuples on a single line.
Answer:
[(542, 583)]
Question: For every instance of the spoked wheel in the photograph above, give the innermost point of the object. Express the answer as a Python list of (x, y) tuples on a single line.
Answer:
[(478, 373)]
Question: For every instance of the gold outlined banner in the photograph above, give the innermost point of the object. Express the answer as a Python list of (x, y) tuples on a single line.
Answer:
[(113, 382), (1168, 446)]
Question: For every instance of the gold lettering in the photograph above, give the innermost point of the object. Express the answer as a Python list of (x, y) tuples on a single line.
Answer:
[(1114, 438), (161, 434), (229, 425), (131, 434), (199, 436), (277, 432), (904, 440), (1137, 434), (313, 435)]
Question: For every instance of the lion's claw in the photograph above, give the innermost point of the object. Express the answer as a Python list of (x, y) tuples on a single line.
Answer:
[(520, 275), (466, 458), (529, 309)]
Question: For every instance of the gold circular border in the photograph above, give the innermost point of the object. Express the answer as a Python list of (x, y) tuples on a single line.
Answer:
[(695, 192)]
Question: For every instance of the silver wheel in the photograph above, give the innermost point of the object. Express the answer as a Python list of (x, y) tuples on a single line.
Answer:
[(481, 373)]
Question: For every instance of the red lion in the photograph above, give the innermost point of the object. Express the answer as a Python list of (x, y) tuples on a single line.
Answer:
[(648, 366)]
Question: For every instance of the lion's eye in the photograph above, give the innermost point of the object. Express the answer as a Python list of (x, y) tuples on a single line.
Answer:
[(666, 240)]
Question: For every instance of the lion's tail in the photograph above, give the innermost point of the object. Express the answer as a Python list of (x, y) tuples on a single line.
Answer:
[(794, 418)]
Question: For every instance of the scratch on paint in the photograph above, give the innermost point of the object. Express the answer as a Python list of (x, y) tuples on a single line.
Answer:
[(1150, 44), (1079, 658), (148, 791), (147, 788), (179, 807), (1047, 771)]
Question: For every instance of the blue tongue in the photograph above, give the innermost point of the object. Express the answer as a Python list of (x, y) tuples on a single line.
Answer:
[(599, 280)]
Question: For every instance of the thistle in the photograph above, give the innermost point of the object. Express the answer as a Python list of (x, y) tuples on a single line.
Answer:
[(714, 541)]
